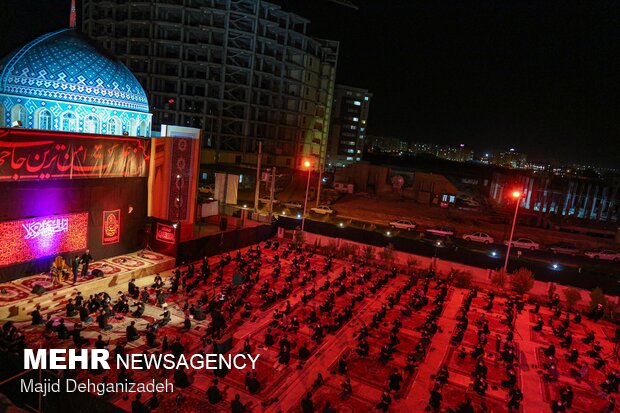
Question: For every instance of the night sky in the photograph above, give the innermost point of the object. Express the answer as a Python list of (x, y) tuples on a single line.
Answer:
[(539, 76)]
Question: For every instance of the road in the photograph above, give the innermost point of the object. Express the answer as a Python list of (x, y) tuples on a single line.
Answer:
[(578, 271)]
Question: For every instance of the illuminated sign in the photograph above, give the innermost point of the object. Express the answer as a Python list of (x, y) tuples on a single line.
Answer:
[(27, 155), (111, 227), (45, 227), (29, 239), (165, 233)]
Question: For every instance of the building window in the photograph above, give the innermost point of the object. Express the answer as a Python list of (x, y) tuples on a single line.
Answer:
[(18, 113), (366, 98), (45, 119), (357, 103), (68, 122), (91, 124), (356, 119), (113, 127)]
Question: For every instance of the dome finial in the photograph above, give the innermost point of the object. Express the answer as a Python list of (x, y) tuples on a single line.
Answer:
[(72, 17)]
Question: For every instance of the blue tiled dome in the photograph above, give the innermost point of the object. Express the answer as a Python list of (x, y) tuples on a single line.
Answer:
[(66, 66)]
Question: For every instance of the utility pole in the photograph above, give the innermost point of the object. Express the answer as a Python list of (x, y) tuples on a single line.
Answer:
[(258, 172), (273, 189)]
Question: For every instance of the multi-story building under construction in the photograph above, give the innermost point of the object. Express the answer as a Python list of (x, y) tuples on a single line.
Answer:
[(243, 71)]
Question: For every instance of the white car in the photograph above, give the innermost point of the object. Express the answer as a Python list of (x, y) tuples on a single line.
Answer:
[(603, 254), (441, 231), (403, 224), (524, 243), (294, 204), (482, 237), (266, 200), (323, 210)]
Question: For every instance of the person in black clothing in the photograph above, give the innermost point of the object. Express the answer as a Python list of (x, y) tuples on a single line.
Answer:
[(75, 266), (37, 318), (253, 384), (269, 341), (236, 406), (187, 323), (71, 310), (132, 332), (85, 260), (307, 405), (102, 321), (153, 402), (100, 344), (62, 331), (78, 340), (180, 378), (139, 309), (177, 348), (395, 379), (151, 338), (84, 315), (466, 407), (213, 393), (384, 403), (137, 406), (133, 291)]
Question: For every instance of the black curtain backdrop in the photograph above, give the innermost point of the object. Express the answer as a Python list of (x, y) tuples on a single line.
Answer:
[(21, 200)]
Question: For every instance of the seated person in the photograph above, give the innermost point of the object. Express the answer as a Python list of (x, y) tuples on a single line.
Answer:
[(180, 378), (214, 395), (71, 310), (37, 318), (132, 332), (62, 331)]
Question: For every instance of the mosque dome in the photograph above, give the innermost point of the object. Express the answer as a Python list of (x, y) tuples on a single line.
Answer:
[(65, 66)]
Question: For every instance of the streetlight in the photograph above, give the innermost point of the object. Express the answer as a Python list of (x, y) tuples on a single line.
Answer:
[(517, 196), (307, 164)]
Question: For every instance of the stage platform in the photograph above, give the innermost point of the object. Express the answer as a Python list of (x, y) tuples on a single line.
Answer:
[(17, 299)]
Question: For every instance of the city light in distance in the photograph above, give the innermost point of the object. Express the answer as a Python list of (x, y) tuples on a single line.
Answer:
[(307, 164), (516, 194)]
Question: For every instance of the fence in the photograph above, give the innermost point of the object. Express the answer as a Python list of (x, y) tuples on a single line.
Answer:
[(194, 250)]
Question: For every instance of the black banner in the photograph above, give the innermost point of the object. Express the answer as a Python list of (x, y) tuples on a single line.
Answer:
[(27, 154)]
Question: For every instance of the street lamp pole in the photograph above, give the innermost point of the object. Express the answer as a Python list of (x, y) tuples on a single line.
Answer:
[(517, 195), (307, 164)]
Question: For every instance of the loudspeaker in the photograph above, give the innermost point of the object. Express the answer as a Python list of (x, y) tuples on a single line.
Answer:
[(97, 273), (38, 289), (224, 345), (223, 224)]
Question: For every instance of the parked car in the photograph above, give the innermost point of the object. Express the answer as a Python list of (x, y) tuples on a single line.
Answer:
[(403, 224), (524, 243), (441, 231), (564, 248), (266, 200), (294, 204), (482, 237), (603, 254), (323, 210)]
